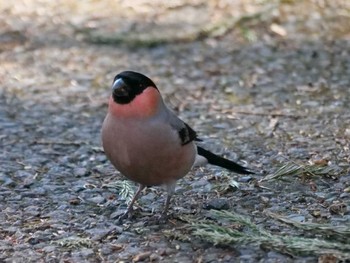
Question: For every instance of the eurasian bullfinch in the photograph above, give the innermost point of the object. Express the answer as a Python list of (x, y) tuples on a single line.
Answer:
[(147, 142)]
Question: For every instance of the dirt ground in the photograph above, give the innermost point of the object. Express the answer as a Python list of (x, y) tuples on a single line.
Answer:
[(266, 83)]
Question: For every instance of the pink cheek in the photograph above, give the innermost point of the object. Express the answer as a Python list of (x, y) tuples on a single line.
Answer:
[(147, 102), (144, 105)]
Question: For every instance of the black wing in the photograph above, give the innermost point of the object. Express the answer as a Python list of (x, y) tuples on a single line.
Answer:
[(187, 135)]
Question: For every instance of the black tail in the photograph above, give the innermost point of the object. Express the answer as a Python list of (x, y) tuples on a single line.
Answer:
[(220, 161)]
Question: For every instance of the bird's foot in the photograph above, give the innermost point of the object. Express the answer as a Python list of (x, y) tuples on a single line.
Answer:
[(163, 217), (156, 220), (126, 215)]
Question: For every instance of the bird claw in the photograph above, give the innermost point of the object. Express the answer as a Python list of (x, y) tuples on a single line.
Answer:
[(163, 218), (156, 220), (126, 215)]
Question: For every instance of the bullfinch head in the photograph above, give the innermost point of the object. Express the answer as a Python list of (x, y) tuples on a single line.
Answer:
[(134, 95)]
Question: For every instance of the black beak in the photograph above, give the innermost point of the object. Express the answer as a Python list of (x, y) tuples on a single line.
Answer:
[(119, 88), (121, 92)]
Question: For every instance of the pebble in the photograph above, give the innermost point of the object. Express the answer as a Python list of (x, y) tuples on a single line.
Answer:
[(148, 197), (217, 204), (49, 249), (79, 172), (320, 194), (97, 199), (32, 211), (22, 175), (297, 217), (245, 179), (344, 195), (6, 181), (98, 234), (331, 197), (199, 183)]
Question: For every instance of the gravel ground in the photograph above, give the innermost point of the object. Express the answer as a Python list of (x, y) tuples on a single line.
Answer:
[(273, 89)]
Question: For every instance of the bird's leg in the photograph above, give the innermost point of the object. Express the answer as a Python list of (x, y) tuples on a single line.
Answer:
[(130, 209), (170, 189)]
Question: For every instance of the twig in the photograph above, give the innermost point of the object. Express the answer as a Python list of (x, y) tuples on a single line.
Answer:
[(270, 114)]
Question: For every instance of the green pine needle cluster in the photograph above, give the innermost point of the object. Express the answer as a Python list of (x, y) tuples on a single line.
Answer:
[(74, 242), (241, 230), (124, 188), (339, 233), (294, 169)]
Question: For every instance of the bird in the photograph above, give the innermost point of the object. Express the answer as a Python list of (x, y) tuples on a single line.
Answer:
[(146, 141)]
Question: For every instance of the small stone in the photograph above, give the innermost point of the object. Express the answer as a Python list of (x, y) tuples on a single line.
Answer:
[(79, 187), (344, 195), (245, 179), (316, 213), (79, 172), (297, 217), (20, 174), (199, 183), (101, 158), (106, 249), (11, 229), (32, 210), (142, 256), (264, 199), (117, 213), (74, 201), (329, 198), (98, 234), (218, 204), (154, 257), (97, 199), (49, 249), (148, 197), (6, 181), (227, 258), (87, 252), (338, 208), (321, 195), (347, 190), (275, 256)]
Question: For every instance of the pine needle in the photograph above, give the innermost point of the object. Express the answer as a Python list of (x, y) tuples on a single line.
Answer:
[(74, 242), (341, 232), (294, 169), (124, 188), (252, 234), (226, 184)]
